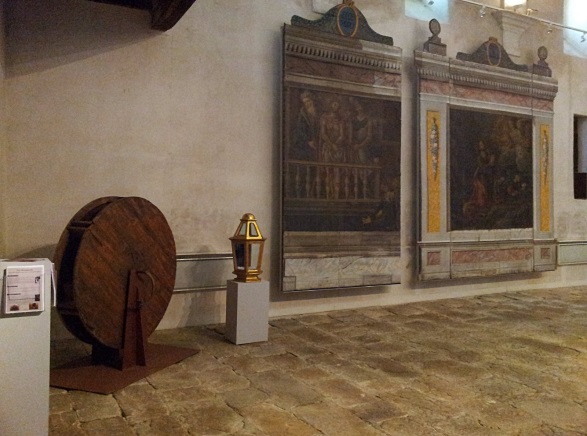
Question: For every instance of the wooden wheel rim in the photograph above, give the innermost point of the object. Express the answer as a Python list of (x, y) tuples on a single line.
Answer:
[(102, 243)]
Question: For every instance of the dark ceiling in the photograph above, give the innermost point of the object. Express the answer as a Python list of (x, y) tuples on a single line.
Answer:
[(164, 13)]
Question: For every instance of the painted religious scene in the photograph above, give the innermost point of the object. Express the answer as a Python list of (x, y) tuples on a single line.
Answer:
[(341, 163), (491, 173)]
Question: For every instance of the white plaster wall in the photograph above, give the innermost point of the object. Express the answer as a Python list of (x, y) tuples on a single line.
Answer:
[(3, 139), (189, 119), (571, 213)]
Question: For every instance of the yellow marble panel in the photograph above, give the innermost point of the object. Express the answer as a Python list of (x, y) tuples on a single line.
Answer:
[(433, 170), (545, 169)]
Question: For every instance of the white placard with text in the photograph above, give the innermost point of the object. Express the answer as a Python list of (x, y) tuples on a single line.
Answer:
[(24, 289)]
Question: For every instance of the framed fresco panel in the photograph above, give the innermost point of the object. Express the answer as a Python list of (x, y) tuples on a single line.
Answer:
[(340, 160)]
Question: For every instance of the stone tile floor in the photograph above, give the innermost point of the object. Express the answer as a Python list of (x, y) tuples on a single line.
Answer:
[(505, 364)]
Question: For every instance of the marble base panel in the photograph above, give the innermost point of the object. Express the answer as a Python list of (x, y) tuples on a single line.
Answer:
[(545, 256), (337, 272), (445, 261)]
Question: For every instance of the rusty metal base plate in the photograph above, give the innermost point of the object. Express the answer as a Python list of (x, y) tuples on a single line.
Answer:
[(82, 375)]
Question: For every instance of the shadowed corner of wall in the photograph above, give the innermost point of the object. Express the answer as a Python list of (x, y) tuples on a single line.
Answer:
[(43, 252), (51, 33)]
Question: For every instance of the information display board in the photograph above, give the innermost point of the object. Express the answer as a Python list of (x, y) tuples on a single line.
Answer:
[(24, 289)]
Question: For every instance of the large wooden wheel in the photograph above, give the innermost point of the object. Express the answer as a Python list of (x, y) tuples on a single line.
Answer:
[(102, 244)]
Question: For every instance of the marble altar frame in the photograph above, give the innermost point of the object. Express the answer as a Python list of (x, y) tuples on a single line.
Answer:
[(486, 80)]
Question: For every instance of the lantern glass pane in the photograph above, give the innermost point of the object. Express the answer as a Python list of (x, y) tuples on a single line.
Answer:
[(254, 259), (239, 252), (253, 230), (243, 230)]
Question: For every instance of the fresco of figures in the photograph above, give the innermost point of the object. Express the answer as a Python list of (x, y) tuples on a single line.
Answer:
[(341, 162), (491, 176)]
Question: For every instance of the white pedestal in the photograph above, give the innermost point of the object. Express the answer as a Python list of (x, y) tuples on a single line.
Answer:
[(24, 365), (247, 312)]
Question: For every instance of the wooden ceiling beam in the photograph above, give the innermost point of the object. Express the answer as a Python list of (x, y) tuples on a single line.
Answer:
[(164, 13), (136, 4)]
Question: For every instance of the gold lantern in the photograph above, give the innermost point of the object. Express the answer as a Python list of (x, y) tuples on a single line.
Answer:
[(247, 250)]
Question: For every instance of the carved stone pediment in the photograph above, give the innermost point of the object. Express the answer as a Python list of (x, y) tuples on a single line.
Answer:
[(466, 72), (302, 42), (499, 79), (344, 19), (489, 67), (492, 53)]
